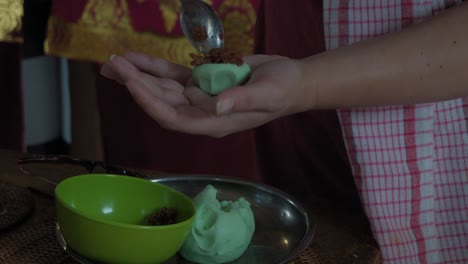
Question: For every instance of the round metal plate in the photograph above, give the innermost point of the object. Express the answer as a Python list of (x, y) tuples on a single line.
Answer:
[(283, 227)]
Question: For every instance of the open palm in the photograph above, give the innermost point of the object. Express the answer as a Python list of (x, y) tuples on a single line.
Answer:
[(166, 92)]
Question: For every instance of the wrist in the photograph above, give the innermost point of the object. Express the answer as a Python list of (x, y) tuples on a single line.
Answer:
[(308, 85)]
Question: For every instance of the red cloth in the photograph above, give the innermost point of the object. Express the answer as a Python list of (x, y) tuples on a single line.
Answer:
[(11, 110), (303, 153), (145, 16)]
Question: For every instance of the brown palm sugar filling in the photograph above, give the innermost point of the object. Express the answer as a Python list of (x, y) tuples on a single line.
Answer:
[(199, 34), (163, 216), (216, 56)]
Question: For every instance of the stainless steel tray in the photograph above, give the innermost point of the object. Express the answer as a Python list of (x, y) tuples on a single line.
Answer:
[(283, 226)]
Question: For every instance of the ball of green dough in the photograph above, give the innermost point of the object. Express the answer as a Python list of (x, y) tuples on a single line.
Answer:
[(213, 78), (221, 231)]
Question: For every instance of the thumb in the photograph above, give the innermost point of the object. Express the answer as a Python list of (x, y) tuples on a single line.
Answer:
[(253, 96)]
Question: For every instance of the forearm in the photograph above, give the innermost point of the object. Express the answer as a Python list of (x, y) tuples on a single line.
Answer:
[(423, 63)]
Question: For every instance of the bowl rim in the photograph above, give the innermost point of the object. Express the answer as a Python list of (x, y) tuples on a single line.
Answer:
[(80, 213)]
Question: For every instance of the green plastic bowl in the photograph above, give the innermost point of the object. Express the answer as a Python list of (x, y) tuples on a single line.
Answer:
[(102, 217)]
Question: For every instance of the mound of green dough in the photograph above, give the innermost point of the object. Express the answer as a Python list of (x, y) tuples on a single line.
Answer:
[(221, 231), (213, 78)]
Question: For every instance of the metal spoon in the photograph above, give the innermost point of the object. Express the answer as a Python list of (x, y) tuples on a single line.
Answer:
[(196, 16)]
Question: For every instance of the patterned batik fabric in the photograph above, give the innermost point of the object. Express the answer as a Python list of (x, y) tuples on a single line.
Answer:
[(93, 30), (11, 15), (410, 162)]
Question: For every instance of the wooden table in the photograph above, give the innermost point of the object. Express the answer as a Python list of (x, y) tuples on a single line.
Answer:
[(342, 235)]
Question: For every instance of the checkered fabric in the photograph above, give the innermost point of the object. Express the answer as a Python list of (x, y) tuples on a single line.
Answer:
[(410, 163)]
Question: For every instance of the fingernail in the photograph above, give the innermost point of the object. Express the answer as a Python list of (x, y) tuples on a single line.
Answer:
[(103, 74), (111, 57), (224, 106)]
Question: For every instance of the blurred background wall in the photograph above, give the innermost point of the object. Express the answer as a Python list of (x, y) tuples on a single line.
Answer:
[(46, 100), (61, 104)]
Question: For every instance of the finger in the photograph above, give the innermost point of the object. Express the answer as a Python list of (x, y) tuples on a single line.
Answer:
[(163, 83), (166, 90), (108, 72), (253, 96), (121, 69), (255, 61), (171, 96), (159, 67), (190, 120), (200, 99), (216, 126), (158, 109)]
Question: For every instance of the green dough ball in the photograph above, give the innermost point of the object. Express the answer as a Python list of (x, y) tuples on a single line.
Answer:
[(213, 78), (221, 231)]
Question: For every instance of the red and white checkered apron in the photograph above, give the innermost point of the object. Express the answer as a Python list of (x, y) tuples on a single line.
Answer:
[(410, 163)]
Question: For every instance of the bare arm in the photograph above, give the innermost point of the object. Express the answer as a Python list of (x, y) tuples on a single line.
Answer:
[(425, 62)]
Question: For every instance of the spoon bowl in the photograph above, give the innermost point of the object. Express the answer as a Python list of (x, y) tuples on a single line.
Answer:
[(201, 25)]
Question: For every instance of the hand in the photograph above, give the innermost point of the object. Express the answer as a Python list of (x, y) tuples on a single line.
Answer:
[(166, 92)]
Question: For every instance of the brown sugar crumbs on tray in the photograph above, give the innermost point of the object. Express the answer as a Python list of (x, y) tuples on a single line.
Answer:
[(216, 56), (163, 216)]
